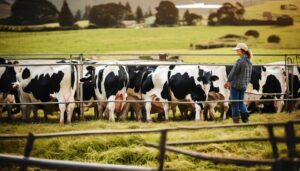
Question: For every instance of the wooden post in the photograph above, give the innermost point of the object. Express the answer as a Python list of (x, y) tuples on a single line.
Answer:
[(28, 149), (162, 149), (162, 56), (289, 165)]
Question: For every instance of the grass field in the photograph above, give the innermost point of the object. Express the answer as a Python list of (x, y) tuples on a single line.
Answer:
[(129, 149)]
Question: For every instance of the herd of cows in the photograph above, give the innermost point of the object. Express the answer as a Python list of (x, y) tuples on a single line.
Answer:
[(162, 87)]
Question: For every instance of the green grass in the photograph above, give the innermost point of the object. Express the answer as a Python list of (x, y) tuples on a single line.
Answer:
[(129, 149), (256, 11), (150, 40)]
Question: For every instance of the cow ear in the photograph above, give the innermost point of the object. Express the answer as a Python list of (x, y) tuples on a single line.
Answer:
[(90, 68), (214, 78), (264, 69)]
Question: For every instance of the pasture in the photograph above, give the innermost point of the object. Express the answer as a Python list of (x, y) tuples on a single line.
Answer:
[(129, 149)]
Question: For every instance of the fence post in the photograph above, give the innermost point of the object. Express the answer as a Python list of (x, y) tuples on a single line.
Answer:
[(81, 87), (27, 150), (162, 56), (162, 149), (288, 164), (276, 166)]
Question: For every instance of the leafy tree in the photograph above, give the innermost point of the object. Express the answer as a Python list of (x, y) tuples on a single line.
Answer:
[(66, 17), (87, 12), (227, 14), (129, 15), (213, 18), (240, 10), (78, 15), (167, 14), (186, 14), (128, 7), (139, 14), (108, 15), (191, 18), (30, 12)]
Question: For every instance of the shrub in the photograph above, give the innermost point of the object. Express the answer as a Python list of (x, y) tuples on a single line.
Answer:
[(273, 39), (253, 33), (285, 20)]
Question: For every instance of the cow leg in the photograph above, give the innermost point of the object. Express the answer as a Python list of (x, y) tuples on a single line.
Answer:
[(148, 109), (125, 111), (23, 111), (279, 106), (166, 110), (225, 110), (212, 112), (62, 109), (70, 109), (173, 108), (198, 114), (35, 112), (99, 115), (111, 108)]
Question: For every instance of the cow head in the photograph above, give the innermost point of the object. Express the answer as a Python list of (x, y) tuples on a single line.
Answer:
[(89, 77), (206, 78)]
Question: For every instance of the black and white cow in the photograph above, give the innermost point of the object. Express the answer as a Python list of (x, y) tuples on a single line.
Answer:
[(137, 75), (217, 91), (190, 83), (267, 80), (110, 83), (47, 83), (7, 82), (155, 89)]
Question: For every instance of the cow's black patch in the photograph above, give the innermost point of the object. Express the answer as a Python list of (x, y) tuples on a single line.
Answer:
[(147, 84), (2, 61), (256, 77), (113, 83), (73, 75), (43, 85), (213, 88), (171, 67), (7, 77), (25, 73), (100, 75), (123, 77), (198, 94), (272, 85), (165, 92), (294, 85), (88, 91), (181, 85)]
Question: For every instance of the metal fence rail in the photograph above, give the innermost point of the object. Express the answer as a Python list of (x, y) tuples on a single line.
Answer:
[(291, 163), (290, 61)]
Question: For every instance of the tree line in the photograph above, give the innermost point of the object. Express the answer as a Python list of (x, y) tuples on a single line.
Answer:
[(33, 12)]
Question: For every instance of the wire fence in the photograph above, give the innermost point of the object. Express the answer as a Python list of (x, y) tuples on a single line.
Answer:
[(291, 60)]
